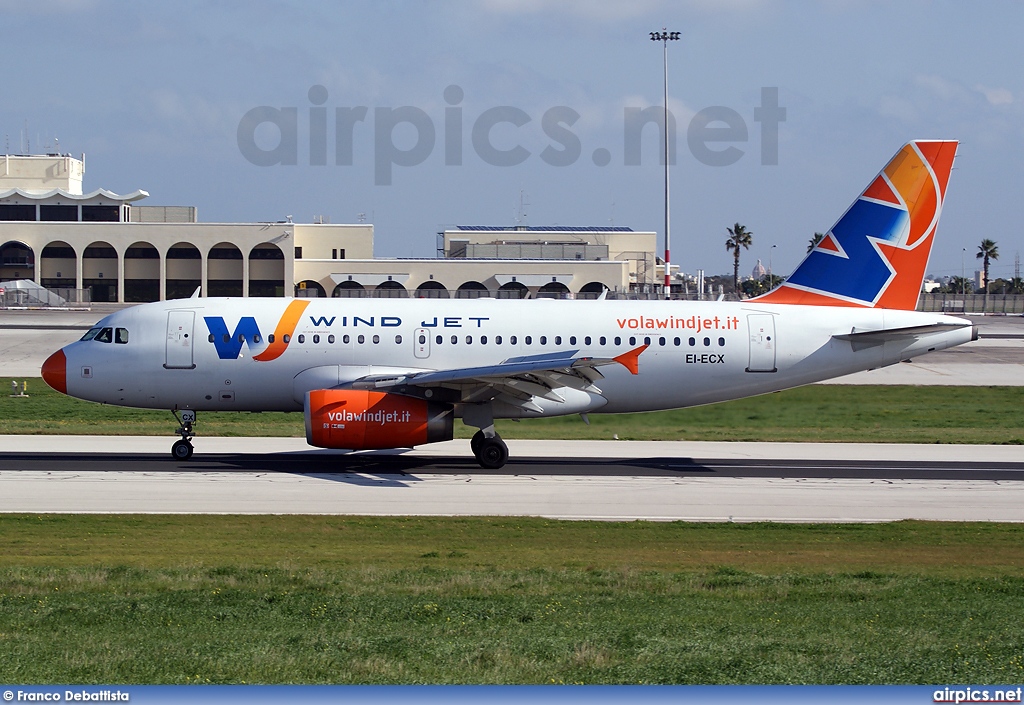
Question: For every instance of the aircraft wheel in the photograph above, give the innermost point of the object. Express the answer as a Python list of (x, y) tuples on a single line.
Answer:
[(475, 442), (493, 453), (181, 450)]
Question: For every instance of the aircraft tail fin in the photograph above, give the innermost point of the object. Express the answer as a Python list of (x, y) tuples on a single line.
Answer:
[(876, 254)]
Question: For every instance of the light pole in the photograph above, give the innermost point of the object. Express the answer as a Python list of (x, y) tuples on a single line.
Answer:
[(963, 280), (664, 36), (771, 251)]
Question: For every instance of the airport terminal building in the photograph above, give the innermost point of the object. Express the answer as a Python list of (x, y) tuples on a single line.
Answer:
[(117, 250)]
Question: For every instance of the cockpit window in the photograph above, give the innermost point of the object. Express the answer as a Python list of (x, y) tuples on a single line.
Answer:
[(90, 334), (121, 336), (106, 335)]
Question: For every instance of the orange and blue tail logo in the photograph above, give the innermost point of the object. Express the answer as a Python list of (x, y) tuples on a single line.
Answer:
[(876, 255)]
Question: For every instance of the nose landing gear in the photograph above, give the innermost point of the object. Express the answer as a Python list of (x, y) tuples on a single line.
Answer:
[(182, 450)]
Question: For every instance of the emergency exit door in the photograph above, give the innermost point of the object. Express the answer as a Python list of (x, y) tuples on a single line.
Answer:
[(180, 340), (762, 342)]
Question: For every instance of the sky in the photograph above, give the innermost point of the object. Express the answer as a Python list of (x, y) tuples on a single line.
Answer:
[(417, 116)]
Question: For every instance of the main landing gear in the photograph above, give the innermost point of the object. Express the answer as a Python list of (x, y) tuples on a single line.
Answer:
[(182, 450), (491, 453)]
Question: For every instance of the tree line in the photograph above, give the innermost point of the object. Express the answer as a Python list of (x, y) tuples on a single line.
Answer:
[(740, 238)]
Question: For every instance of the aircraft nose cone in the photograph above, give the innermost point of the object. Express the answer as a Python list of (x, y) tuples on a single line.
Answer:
[(55, 371)]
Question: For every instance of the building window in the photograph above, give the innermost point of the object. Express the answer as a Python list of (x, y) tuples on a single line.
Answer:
[(341, 253), (16, 211), (55, 212), (298, 252), (100, 214)]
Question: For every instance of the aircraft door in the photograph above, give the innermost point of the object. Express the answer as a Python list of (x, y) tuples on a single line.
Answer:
[(762, 342), (421, 343), (180, 340)]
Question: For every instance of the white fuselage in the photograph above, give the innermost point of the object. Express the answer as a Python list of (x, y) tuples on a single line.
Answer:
[(700, 352)]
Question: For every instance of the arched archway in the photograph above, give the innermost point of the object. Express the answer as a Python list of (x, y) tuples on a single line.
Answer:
[(99, 271), (471, 290), (224, 276), (58, 266), (17, 261), (348, 290), (513, 290), (390, 290), (141, 273), (432, 289), (310, 288), (266, 270), (553, 290), (184, 270), (591, 290)]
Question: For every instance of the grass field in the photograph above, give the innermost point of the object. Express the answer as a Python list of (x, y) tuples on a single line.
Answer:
[(893, 414), (224, 599)]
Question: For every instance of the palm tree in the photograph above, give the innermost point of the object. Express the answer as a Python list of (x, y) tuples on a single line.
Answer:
[(818, 237), (740, 237), (987, 250)]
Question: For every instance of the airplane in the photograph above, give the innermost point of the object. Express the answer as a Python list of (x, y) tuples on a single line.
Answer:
[(395, 373)]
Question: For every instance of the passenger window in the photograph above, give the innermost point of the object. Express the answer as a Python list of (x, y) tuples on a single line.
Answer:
[(455, 339), (256, 338), (211, 337), (423, 340), (438, 340), (286, 338), (398, 340), (330, 339), (483, 340), (692, 341), (469, 340), (270, 338), (316, 338), (106, 335), (91, 333), (543, 340), (302, 338), (572, 340), (361, 339), (602, 340), (676, 342), (227, 338), (241, 338), (512, 340), (558, 340), (586, 341), (707, 342), (721, 342), (346, 339), (121, 336), (661, 341), (647, 340), (632, 340), (618, 340), (376, 340), (497, 340)]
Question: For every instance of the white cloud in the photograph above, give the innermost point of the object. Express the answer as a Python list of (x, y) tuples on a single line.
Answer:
[(995, 96)]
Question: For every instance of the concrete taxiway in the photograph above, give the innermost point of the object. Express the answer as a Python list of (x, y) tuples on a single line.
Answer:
[(603, 480)]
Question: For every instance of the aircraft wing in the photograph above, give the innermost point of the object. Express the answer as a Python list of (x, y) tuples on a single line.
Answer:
[(517, 379)]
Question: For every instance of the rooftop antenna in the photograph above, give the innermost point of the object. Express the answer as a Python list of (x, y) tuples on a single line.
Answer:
[(523, 203), (1016, 265)]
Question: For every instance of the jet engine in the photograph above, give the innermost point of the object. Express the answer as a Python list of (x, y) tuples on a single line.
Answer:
[(360, 419)]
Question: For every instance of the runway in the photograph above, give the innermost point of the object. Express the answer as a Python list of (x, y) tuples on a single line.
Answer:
[(603, 480)]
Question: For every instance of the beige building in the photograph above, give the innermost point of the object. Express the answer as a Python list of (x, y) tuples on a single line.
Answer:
[(61, 238)]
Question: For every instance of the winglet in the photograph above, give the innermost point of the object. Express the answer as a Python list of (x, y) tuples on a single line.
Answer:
[(631, 360)]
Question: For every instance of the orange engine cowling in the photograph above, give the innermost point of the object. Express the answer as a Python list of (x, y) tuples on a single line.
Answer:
[(360, 420)]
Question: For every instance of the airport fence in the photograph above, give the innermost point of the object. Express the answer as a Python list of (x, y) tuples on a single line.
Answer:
[(1008, 304)]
